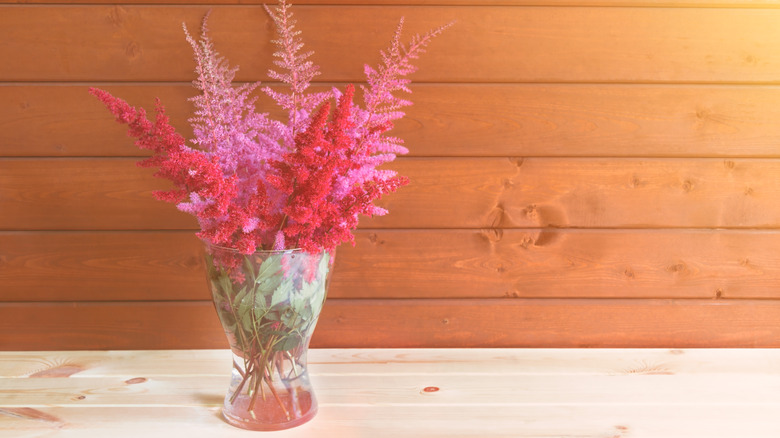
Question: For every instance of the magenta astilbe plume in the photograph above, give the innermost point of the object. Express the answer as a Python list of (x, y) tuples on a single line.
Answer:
[(257, 183), (382, 108), (226, 124)]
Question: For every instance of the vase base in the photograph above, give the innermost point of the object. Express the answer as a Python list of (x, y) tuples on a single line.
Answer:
[(272, 413), (249, 424)]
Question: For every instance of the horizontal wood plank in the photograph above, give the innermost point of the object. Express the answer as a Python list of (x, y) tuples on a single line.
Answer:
[(448, 120), (409, 324), (399, 362), (725, 420), (83, 193), (102, 266), (542, 263), (350, 390), (489, 44), (114, 194)]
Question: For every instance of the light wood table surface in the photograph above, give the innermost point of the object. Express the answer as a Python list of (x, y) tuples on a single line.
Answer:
[(405, 393)]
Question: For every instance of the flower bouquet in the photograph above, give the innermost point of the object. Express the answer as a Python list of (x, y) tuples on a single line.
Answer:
[(274, 199)]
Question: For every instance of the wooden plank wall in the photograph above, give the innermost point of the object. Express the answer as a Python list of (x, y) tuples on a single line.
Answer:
[(584, 173)]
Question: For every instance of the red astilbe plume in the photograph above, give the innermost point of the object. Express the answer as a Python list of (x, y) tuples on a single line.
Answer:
[(192, 173), (315, 220)]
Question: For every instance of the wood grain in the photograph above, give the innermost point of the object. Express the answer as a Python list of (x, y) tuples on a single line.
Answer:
[(392, 389), (608, 323), (393, 362), (715, 420), (505, 393), (463, 264), (448, 120), (513, 44), (584, 173), (81, 193), (106, 266), (113, 194)]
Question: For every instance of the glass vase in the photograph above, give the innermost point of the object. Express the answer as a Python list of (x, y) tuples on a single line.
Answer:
[(268, 303)]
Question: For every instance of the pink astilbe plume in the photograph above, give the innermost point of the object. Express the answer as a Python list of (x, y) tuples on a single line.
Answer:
[(226, 124), (382, 108), (297, 73)]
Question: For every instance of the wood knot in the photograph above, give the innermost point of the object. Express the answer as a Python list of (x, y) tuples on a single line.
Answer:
[(374, 239), (29, 414), (133, 50), (117, 16), (62, 370), (493, 235), (526, 242), (496, 217), (531, 211), (517, 161), (628, 272), (430, 389), (687, 185), (728, 164), (136, 380), (677, 268)]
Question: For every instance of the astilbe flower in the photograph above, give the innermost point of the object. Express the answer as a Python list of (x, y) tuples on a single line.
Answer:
[(193, 173), (257, 183), (382, 108), (314, 218), (227, 126), (298, 71)]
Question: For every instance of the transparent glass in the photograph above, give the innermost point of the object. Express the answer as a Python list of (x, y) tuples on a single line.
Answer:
[(268, 303)]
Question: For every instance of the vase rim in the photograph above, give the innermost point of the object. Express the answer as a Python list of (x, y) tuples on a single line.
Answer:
[(262, 251)]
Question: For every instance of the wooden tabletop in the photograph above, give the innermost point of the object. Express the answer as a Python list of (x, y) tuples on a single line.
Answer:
[(405, 393)]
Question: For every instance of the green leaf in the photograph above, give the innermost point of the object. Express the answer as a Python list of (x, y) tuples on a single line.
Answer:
[(240, 296), (260, 307), (270, 268), (282, 292), (288, 343), (246, 321), (249, 268), (244, 305), (225, 285)]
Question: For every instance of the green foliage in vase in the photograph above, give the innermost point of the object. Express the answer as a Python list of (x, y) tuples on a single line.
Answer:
[(271, 306)]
